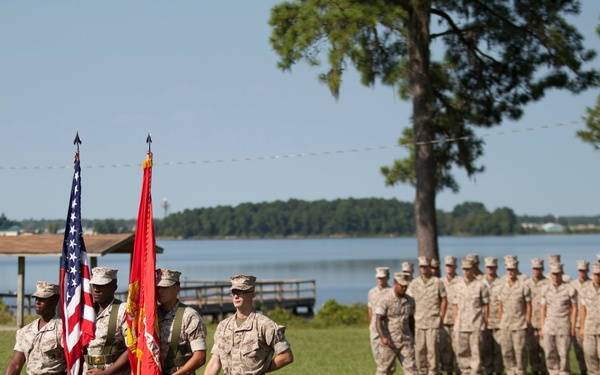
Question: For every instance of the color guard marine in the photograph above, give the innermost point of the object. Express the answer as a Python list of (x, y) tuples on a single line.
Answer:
[(39, 344), (182, 330), (108, 349), (248, 343)]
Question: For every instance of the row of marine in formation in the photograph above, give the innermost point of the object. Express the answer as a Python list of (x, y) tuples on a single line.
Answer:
[(483, 322)]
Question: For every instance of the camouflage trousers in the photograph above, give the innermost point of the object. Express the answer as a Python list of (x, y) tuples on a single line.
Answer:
[(514, 351), (404, 350), (447, 345), (491, 355), (557, 348), (427, 349), (374, 336), (468, 352), (537, 358), (591, 348), (375, 345), (578, 348)]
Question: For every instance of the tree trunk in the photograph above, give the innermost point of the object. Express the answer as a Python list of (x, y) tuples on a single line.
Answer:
[(422, 97)]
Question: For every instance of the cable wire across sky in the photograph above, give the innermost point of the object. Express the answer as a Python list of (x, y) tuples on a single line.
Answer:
[(306, 154)]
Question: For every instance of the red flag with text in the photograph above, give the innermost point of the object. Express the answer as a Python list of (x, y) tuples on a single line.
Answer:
[(143, 339)]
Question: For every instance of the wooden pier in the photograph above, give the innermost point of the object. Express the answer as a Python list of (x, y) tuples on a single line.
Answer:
[(211, 297)]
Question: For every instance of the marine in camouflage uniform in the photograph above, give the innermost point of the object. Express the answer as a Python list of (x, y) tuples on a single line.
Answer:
[(590, 321), (451, 280), (408, 268), (491, 355), (392, 319), (520, 276), (39, 344), (246, 342), (559, 309), (178, 322), (471, 314), (476, 271), (583, 268), (382, 274), (429, 294), (104, 352), (537, 283), (435, 268), (514, 298), (555, 258)]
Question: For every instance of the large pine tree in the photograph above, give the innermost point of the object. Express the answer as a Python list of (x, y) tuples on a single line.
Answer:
[(496, 56)]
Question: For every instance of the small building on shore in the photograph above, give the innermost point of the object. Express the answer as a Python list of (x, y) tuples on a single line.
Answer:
[(13, 230), (553, 228)]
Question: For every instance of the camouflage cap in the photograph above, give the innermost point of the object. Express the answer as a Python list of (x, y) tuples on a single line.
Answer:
[(242, 282), (583, 265), (45, 290), (537, 263), (381, 272), (511, 264), (473, 257), (510, 257), (402, 278), (553, 258), (450, 260), (596, 268), (166, 278), (103, 275), (435, 263), (424, 261), (407, 267), (556, 267), (468, 263), (491, 262)]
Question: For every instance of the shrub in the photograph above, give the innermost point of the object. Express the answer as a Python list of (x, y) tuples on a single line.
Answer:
[(286, 318), (333, 314), (6, 316)]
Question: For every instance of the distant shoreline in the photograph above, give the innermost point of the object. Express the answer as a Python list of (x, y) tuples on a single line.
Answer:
[(296, 237)]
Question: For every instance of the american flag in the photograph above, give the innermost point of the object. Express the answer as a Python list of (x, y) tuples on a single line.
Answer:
[(75, 297)]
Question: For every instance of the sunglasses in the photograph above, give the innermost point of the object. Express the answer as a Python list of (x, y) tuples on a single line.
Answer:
[(239, 293)]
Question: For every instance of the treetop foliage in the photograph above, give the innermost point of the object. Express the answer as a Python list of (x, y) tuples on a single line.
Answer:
[(592, 121), (497, 56), (4, 222), (366, 217)]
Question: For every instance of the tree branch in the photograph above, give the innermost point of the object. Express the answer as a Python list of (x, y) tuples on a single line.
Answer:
[(460, 34)]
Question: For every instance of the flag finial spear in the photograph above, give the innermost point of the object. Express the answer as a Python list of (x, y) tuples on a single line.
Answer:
[(148, 162), (77, 142), (149, 141)]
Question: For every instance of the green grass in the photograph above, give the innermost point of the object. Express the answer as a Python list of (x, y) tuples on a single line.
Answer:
[(316, 351), (7, 343), (331, 351)]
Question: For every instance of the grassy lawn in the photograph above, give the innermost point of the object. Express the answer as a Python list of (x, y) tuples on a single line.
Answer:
[(339, 351), (331, 351)]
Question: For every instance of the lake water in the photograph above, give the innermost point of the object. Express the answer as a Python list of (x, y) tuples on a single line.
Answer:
[(344, 269)]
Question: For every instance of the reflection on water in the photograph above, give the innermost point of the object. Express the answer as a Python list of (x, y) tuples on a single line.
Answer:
[(343, 268)]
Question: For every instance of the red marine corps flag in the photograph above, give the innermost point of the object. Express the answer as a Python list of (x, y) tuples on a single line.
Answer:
[(142, 332), (75, 294)]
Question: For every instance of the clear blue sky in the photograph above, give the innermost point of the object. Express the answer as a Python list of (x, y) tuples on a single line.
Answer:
[(201, 76)]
